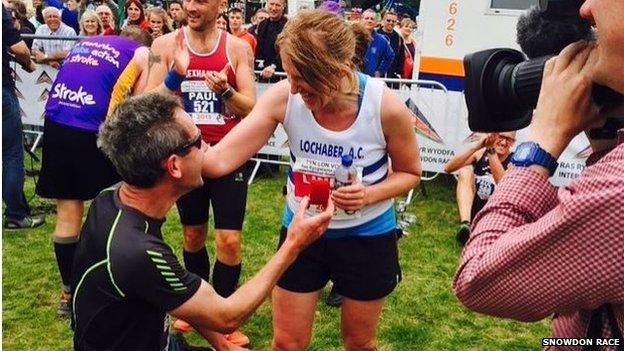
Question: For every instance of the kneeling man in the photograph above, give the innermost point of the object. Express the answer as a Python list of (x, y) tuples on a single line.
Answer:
[(126, 278)]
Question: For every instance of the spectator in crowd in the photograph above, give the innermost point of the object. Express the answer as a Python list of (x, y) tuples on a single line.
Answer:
[(37, 17), (106, 16), (318, 104), (124, 227), (17, 9), (408, 26), (537, 251), (222, 22), (90, 24), (177, 14), (379, 55), (388, 21), (260, 15), (158, 21), (73, 169), (135, 15), (70, 12), (267, 58), (22, 13), (481, 166), (16, 212), (235, 17), (52, 52), (218, 91)]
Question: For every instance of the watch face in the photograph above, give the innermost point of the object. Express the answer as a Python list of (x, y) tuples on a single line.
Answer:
[(523, 153)]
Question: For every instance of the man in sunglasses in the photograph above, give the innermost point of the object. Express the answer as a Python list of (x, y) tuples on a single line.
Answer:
[(389, 19), (481, 166), (126, 278)]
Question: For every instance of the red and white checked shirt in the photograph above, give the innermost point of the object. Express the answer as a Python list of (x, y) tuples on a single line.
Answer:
[(536, 251)]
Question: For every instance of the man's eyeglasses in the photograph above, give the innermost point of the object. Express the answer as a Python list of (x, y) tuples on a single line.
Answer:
[(185, 148)]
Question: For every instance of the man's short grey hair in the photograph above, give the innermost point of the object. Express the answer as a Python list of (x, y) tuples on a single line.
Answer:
[(140, 134), (104, 7), (50, 9), (370, 11)]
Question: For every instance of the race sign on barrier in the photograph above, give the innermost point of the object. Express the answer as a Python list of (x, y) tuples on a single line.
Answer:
[(32, 91)]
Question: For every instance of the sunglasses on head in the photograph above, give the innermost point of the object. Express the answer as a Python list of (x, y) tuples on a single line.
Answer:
[(184, 149)]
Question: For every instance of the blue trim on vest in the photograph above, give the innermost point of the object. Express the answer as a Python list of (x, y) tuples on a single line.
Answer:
[(375, 166), (380, 179), (362, 79), (382, 224), (290, 175)]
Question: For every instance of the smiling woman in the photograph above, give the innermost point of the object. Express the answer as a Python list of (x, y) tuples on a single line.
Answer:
[(90, 24)]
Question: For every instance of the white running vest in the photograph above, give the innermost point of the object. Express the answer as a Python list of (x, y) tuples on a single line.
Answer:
[(316, 152)]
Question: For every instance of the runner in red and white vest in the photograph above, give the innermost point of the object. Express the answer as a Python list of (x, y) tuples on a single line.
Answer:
[(212, 74)]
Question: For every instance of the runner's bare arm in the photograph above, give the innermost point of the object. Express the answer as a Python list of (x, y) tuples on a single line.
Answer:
[(207, 311), (402, 148), (244, 140), (244, 98), (158, 62), (141, 61)]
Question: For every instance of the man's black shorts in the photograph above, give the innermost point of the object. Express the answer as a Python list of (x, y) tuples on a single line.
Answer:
[(228, 197), (72, 166), (361, 267)]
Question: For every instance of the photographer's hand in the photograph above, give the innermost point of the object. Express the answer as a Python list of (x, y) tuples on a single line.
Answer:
[(565, 107)]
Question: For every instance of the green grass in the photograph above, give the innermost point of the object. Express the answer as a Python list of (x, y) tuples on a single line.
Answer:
[(422, 313)]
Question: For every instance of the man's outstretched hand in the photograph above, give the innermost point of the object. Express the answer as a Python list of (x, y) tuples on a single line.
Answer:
[(305, 230)]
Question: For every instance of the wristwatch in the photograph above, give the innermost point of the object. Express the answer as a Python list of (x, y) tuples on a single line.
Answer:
[(530, 153), (226, 94)]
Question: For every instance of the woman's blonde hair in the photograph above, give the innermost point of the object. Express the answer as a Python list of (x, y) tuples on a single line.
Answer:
[(321, 46), (90, 14)]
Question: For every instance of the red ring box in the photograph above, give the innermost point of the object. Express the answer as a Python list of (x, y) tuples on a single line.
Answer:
[(319, 192)]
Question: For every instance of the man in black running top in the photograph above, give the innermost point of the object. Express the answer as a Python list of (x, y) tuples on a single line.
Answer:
[(126, 278)]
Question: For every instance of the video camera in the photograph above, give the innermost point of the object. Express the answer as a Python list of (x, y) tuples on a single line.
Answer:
[(502, 86)]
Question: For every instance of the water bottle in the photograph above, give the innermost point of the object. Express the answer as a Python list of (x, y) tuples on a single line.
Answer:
[(346, 173)]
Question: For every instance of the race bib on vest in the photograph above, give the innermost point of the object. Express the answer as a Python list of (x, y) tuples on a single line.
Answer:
[(202, 104), (307, 170), (484, 186)]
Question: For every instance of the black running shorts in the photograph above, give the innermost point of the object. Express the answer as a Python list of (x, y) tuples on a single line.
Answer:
[(361, 267), (227, 195), (72, 166)]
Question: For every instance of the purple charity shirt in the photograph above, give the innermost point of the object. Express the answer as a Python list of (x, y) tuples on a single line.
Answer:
[(81, 93)]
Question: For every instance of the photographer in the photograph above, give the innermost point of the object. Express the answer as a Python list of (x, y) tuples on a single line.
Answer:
[(537, 251)]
